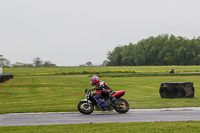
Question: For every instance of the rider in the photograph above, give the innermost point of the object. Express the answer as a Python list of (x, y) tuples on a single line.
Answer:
[(100, 85)]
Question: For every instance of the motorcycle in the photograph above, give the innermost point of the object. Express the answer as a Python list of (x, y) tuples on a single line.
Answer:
[(103, 102)]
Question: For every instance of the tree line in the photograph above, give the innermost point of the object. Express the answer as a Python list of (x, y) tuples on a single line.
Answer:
[(89, 63), (37, 62), (161, 50)]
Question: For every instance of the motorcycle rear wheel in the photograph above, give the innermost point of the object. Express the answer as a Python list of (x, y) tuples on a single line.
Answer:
[(85, 107), (121, 106)]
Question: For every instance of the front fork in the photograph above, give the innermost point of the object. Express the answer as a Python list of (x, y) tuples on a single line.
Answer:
[(92, 99), (89, 100)]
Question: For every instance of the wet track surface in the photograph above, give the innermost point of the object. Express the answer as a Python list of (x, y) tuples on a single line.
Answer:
[(134, 115)]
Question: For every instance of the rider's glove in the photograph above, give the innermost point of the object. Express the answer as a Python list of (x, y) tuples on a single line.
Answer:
[(100, 87), (94, 88)]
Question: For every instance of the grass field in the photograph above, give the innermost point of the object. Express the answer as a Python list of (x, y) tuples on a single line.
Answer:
[(132, 127), (62, 93), (59, 90)]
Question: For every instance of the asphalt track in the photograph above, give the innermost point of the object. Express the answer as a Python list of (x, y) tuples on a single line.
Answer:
[(134, 115)]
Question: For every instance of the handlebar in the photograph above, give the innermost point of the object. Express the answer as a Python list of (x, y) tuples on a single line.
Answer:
[(88, 90)]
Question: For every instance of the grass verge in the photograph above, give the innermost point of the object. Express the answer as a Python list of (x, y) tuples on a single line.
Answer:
[(132, 127)]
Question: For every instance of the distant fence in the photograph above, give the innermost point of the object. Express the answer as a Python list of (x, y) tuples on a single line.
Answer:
[(6, 77)]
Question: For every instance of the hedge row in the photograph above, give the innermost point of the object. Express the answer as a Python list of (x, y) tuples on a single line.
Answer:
[(6, 77)]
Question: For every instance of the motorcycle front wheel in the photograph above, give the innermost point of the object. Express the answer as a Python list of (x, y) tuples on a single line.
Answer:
[(121, 106), (85, 107)]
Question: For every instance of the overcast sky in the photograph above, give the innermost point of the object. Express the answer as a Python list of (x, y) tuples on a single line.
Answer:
[(72, 32)]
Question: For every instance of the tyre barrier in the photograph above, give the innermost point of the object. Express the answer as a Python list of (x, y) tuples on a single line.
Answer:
[(6, 77), (177, 90)]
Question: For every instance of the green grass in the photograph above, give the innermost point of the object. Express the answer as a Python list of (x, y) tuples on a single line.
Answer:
[(132, 127), (146, 74), (62, 93), (97, 70)]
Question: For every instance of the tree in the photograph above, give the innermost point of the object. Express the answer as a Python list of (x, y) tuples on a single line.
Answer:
[(4, 62), (89, 63), (37, 62), (161, 50), (115, 57), (104, 63), (82, 65), (49, 64), (19, 64)]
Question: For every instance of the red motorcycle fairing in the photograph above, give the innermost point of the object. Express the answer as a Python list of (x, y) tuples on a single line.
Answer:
[(97, 91), (116, 94)]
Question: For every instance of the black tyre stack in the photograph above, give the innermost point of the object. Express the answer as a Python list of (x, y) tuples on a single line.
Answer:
[(5, 77), (177, 90)]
